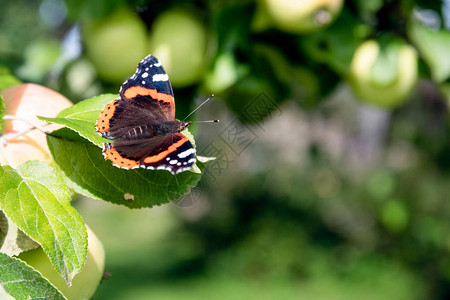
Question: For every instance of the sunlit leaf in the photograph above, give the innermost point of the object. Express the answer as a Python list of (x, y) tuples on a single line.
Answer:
[(12, 240), (2, 113), (82, 116), (433, 46), (91, 175), (19, 281), (36, 198)]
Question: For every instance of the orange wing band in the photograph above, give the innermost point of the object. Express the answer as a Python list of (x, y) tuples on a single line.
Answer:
[(161, 155), (141, 91), (118, 160), (102, 124)]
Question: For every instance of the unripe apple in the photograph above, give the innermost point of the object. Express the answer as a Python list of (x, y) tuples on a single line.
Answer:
[(26, 101), (394, 216), (116, 44), (302, 16), (224, 74), (84, 283), (178, 39), (386, 76)]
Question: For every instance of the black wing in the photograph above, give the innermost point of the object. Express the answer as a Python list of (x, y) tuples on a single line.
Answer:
[(152, 82)]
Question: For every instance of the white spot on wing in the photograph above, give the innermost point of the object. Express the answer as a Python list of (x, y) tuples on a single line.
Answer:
[(143, 82), (160, 77), (145, 75), (158, 64), (173, 161), (186, 153)]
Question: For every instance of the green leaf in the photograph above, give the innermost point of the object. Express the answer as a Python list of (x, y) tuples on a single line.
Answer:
[(91, 175), (19, 281), (37, 200), (82, 116), (12, 240), (2, 113), (433, 46), (7, 79), (4, 226)]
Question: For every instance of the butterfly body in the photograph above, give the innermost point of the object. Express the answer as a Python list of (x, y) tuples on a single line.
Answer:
[(149, 131), (142, 125)]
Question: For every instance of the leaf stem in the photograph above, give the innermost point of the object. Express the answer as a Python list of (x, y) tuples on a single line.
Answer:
[(34, 126), (3, 143), (5, 139)]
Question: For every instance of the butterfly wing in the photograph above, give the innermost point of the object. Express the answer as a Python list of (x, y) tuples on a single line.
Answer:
[(119, 116), (173, 153), (150, 81), (145, 99)]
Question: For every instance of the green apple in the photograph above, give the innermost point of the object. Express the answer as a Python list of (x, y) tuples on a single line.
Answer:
[(301, 16), (394, 216), (179, 41), (384, 76), (85, 283), (224, 74), (116, 44)]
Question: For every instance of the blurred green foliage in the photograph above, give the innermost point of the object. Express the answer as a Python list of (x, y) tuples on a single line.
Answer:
[(371, 222)]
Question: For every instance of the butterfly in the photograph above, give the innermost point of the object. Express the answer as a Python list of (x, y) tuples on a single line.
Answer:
[(142, 126)]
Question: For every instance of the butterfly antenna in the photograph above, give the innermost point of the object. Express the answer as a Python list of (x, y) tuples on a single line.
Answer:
[(207, 121), (203, 103)]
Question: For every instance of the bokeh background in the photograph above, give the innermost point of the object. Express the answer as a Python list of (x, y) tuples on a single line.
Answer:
[(333, 152)]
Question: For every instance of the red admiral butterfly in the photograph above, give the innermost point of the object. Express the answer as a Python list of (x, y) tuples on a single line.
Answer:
[(142, 124)]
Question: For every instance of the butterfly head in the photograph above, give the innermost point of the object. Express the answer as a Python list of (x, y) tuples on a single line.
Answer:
[(182, 125)]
